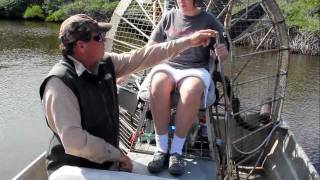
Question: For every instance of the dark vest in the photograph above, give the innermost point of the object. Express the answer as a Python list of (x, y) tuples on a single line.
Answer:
[(98, 102)]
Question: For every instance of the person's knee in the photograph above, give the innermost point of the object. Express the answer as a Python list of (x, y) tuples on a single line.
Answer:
[(161, 84), (191, 94)]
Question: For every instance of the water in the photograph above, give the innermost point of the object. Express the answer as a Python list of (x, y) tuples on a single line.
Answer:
[(29, 49), (302, 109)]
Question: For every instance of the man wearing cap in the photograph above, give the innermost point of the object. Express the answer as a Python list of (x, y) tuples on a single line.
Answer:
[(79, 94)]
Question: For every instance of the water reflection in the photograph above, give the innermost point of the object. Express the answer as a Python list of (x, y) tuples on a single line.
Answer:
[(301, 109), (29, 35)]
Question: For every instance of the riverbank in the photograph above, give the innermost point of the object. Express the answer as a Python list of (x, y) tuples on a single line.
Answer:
[(306, 43), (301, 18), (56, 10)]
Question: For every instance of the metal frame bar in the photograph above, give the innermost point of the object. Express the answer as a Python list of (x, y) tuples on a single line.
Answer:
[(145, 12)]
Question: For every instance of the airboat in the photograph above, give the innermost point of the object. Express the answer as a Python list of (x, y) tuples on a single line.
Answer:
[(241, 135)]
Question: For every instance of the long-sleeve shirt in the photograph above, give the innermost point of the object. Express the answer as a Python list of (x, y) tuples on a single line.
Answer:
[(62, 109)]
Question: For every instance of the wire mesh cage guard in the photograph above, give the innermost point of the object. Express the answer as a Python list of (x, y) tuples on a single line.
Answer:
[(257, 68)]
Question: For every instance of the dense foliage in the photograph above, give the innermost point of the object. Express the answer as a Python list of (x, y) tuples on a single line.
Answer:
[(302, 19), (301, 15), (100, 9), (12, 8), (56, 10), (34, 12)]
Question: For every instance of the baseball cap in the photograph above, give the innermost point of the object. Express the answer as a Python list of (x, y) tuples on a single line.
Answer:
[(76, 26)]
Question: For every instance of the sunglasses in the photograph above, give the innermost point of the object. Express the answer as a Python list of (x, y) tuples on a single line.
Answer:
[(99, 38)]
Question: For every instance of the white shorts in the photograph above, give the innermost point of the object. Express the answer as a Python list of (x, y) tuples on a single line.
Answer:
[(179, 74)]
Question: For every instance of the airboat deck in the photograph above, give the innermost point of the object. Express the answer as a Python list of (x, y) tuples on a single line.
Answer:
[(195, 169), (285, 160)]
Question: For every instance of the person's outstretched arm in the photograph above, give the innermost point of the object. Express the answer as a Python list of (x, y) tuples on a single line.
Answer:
[(148, 56)]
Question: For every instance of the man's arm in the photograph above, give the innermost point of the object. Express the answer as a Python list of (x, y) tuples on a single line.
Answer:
[(122, 79), (148, 56), (151, 42), (62, 112)]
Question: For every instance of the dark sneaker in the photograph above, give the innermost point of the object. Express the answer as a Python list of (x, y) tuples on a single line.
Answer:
[(176, 164), (158, 162)]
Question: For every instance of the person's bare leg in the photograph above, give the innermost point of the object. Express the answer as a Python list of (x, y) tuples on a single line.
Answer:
[(191, 90), (162, 85)]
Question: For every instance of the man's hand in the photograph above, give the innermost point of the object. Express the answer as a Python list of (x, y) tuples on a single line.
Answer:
[(125, 163), (201, 37), (221, 51), (122, 79)]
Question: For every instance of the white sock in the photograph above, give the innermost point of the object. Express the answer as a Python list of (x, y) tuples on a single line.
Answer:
[(177, 145), (162, 143)]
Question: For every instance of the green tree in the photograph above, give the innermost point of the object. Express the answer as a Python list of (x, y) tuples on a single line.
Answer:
[(34, 12), (12, 8), (50, 6), (301, 15), (100, 9)]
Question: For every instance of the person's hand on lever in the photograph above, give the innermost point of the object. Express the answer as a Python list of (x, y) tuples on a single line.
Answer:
[(221, 51), (125, 163), (201, 37)]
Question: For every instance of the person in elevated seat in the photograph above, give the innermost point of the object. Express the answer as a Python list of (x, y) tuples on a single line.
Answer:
[(79, 94), (187, 73)]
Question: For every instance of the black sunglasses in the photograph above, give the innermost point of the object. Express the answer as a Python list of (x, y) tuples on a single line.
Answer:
[(99, 38)]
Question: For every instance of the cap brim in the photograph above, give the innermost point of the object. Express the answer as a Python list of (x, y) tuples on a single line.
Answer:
[(104, 27)]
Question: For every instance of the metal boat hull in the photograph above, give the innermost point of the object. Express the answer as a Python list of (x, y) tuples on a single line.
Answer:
[(285, 160)]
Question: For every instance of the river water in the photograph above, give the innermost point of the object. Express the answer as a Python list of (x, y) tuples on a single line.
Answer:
[(29, 49)]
